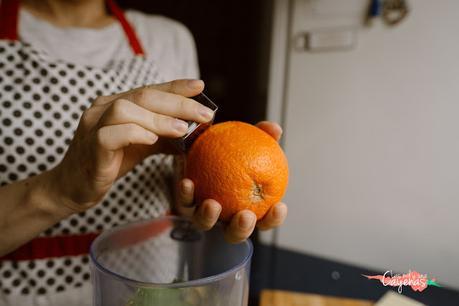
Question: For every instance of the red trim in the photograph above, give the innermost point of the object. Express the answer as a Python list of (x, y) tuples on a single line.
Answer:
[(79, 244), (57, 246), (128, 29), (139, 233), (9, 19)]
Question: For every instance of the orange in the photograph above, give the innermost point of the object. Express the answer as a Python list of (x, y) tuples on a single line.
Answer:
[(238, 165)]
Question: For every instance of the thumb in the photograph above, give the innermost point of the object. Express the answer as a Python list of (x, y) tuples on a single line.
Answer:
[(271, 128), (185, 87)]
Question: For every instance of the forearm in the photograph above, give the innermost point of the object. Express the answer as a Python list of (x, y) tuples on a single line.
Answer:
[(27, 208)]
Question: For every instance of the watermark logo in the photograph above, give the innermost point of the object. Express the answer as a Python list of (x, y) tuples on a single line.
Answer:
[(417, 281)]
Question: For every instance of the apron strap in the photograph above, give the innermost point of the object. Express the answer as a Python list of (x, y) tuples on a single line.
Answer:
[(134, 42), (9, 11)]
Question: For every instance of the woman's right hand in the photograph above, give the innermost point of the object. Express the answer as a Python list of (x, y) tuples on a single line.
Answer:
[(119, 131)]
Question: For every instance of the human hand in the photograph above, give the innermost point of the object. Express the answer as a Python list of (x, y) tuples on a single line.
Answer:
[(242, 224), (119, 131)]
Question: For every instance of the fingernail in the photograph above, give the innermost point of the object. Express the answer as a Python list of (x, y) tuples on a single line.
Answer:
[(185, 188), (281, 131), (206, 113), (211, 211), (195, 84), (219, 210), (246, 221), (279, 211), (180, 126), (153, 137)]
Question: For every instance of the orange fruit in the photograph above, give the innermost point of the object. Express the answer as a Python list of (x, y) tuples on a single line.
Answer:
[(238, 165)]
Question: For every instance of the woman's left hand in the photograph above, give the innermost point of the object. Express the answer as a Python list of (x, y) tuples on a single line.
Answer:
[(242, 224)]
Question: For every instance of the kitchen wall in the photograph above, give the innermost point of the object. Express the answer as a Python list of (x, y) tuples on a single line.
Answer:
[(372, 137)]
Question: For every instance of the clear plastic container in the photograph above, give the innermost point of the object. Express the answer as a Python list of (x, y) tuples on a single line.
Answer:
[(166, 261)]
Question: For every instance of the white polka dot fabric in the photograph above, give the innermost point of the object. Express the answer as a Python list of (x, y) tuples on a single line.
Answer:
[(41, 102)]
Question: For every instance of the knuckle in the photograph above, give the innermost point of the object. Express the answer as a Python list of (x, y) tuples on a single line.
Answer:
[(183, 104), (140, 95), (145, 94), (86, 118), (100, 100), (100, 137), (117, 109), (155, 122), (118, 106)]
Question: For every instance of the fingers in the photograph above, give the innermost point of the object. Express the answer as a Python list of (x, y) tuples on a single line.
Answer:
[(186, 192), (186, 88), (115, 137), (206, 215), (274, 217), (185, 198), (153, 109), (271, 128), (170, 104), (241, 226), (124, 111)]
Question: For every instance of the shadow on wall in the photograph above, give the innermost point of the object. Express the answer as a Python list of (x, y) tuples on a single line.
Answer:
[(233, 39)]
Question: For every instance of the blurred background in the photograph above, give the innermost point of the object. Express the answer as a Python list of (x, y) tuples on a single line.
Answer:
[(368, 99)]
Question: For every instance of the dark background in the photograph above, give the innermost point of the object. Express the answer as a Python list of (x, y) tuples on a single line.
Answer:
[(233, 42)]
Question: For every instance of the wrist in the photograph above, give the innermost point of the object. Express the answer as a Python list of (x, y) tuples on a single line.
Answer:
[(46, 196)]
